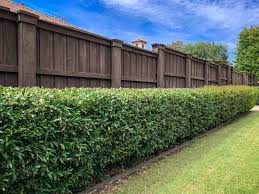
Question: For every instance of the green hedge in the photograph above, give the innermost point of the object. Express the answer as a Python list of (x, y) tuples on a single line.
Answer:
[(60, 141)]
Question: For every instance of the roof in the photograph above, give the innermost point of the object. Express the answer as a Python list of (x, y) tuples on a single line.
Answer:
[(15, 7)]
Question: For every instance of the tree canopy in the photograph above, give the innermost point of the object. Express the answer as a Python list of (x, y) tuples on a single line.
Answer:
[(206, 50), (247, 52)]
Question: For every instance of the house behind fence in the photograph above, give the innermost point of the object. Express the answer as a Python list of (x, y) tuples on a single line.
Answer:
[(35, 51)]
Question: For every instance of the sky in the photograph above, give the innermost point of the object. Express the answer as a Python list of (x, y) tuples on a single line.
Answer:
[(157, 21)]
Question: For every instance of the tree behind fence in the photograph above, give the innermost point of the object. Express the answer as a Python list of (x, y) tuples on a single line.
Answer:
[(34, 52)]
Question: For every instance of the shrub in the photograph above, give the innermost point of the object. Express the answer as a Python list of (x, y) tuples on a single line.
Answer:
[(60, 141)]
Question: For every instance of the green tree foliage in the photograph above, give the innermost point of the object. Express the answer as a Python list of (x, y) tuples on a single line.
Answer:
[(205, 50), (247, 53)]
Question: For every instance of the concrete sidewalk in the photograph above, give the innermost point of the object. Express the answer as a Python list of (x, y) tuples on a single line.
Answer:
[(256, 108)]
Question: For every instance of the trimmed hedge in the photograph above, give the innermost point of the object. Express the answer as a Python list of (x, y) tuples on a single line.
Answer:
[(60, 141)]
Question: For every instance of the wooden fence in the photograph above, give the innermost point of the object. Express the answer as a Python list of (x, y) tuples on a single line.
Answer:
[(34, 52)]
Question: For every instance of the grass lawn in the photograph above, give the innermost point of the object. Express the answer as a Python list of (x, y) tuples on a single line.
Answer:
[(225, 161)]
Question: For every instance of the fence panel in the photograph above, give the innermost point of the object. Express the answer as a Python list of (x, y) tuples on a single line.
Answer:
[(223, 74), (67, 61), (213, 74), (237, 78), (197, 73), (138, 67), (8, 51), (175, 69)]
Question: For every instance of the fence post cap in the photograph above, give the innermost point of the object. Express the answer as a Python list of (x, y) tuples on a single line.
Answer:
[(27, 13), (116, 43), (27, 17), (157, 46)]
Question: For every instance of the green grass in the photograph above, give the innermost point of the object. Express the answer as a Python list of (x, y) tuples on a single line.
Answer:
[(225, 161)]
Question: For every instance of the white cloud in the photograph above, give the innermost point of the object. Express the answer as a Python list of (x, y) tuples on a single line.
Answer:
[(219, 20), (144, 8), (226, 14)]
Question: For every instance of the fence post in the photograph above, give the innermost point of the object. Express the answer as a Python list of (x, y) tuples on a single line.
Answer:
[(160, 49), (188, 71), (206, 73), (26, 48), (116, 63), (229, 75), (219, 74)]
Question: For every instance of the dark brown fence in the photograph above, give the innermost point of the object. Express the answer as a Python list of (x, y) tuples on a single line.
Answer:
[(34, 52)]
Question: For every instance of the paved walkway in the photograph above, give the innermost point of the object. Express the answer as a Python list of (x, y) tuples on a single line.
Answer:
[(256, 108)]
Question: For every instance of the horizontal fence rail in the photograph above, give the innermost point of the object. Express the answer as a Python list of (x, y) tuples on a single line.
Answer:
[(34, 52)]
